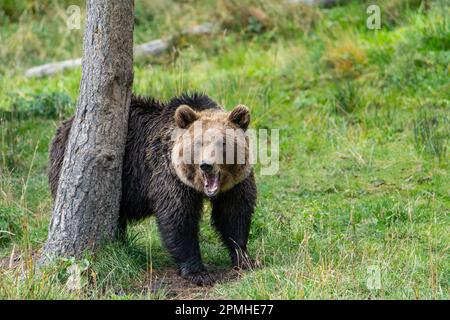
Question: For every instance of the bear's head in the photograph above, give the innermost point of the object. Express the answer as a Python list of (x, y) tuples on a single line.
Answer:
[(211, 148)]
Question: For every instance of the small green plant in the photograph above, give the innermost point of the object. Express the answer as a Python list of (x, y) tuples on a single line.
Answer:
[(8, 153), (431, 135), (346, 100), (390, 211), (396, 11), (22, 114), (115, 266), (46, 105), (11, 219), (436, 36)]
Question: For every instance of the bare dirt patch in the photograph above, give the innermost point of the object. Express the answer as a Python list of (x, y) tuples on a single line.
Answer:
[(12, 261), (174, 287)]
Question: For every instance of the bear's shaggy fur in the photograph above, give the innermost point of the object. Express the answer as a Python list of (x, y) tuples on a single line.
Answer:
[(153, 184)]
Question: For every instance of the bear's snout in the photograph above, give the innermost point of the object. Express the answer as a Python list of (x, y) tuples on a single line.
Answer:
[(206, 167)]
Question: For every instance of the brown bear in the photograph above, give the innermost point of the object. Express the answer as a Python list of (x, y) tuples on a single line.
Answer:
[(168, 171)]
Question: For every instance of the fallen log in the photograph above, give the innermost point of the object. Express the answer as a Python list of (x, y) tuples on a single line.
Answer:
[(152, 48), (51, 68)]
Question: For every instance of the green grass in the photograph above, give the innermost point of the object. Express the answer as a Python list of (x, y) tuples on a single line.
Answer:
[(364, 128)]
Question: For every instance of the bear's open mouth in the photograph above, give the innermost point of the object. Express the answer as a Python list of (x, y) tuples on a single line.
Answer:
[(211, 183)]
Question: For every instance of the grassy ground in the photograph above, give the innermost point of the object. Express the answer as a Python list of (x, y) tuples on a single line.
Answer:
[(364, 127)]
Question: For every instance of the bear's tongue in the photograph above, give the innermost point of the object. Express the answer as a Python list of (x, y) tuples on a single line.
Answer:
[(211, 183)]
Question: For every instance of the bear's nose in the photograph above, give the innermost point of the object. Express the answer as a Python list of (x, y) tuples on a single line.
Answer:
[(206, 166)]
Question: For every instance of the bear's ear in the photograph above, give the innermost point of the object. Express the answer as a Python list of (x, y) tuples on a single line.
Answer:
[(184, 116), (240, 115)]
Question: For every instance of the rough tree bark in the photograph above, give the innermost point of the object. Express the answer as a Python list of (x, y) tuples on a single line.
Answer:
[(87, 202)]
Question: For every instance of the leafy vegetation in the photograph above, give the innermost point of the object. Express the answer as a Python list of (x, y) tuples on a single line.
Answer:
[(364, 128)]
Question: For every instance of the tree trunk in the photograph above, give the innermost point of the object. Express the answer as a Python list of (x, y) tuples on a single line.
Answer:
[(86, 208)]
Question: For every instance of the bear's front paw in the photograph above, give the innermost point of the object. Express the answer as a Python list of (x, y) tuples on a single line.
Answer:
[(200, 278)]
